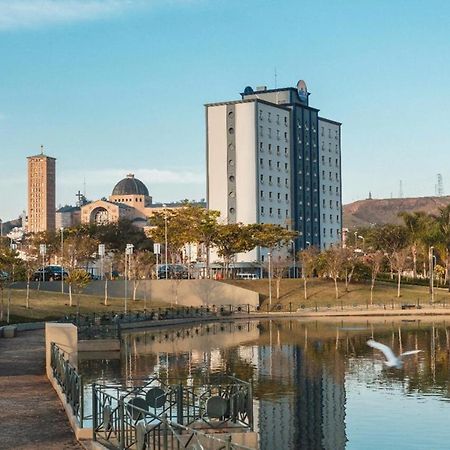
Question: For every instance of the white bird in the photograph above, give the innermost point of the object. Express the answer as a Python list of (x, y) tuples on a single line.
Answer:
[(391, 359)]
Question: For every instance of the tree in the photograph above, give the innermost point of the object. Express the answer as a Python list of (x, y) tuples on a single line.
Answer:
[(416, 224), (280, 267), (351, 260), (374, 261), (308, 260), (78, 250), (231, 239), (334, 262), (77, 279), (399, 259), (443, 236), (141, 265)]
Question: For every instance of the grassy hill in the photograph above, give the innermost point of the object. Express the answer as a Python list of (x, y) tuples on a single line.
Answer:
[(363, 213), (321, 293)]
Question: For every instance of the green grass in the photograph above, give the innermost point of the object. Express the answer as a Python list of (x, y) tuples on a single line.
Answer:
[(52, 306), (322, 293)]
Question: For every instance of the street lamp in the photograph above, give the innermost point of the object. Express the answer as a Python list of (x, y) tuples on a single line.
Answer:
[(269, 256), (165, 241), (364, 242), (43, 252), (157, 252), (293, 256), (431, 268), (128, 253), (62, 259)]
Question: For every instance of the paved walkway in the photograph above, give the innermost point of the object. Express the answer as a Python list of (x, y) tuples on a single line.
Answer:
[(31, 415)]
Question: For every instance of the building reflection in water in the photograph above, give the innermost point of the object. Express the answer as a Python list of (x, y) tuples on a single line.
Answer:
[(300, 369)]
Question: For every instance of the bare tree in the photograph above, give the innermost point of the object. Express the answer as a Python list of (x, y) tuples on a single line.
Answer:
[(374, 261), (399, 261), (334, 265), (308, 260), (280, 268)]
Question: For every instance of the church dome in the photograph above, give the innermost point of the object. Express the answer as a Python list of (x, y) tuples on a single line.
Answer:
[(130, 186)]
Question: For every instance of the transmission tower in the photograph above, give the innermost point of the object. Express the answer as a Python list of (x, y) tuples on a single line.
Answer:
[(439, 185)]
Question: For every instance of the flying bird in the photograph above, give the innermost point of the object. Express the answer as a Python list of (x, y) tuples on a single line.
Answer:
[(391, 359)]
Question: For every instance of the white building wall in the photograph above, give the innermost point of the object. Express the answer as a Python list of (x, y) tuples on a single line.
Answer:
[(330, 183), (246, 171), (273, 176), (217, 159)]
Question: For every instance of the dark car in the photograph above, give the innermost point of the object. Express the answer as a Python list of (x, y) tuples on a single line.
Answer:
[(174, 271), (49, 273)]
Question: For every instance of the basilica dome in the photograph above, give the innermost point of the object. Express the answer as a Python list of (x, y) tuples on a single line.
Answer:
[(130, 186)]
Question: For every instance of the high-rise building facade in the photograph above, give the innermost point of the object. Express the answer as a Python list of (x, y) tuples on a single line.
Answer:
[(269, 162), (41, 193)]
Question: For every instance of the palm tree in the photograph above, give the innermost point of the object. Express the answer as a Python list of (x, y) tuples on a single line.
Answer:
[(416, 225), (443, 223)]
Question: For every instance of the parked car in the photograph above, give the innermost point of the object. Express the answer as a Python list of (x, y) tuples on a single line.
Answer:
[(174, 271), (4, 275), (49, 273)]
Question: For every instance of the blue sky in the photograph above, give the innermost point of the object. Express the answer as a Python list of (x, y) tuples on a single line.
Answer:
[(111, 87)]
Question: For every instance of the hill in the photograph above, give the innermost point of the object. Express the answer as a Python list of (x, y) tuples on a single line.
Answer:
[(364, 213)]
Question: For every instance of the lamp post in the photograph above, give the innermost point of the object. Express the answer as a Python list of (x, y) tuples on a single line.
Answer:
[(43, 252), (128, 253), (431, 268), (157, 252), (101, 253), (294, 260), (364, 242), (62, 259), (165, 242), (269, 256)]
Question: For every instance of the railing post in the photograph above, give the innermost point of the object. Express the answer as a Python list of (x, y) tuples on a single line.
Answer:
[(94, 412), (165, 432), (250, 404), (121, 424), (81, 400), (180, 418)]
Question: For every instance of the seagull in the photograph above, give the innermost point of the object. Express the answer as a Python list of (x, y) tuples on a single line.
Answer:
[(391, 359)]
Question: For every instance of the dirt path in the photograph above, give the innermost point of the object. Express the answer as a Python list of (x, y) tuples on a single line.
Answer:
[(31, 415)]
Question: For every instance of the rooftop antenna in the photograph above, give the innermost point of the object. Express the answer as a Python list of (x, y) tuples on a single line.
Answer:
[(400, 190), (84, 186), (275, 77), (42, 149)]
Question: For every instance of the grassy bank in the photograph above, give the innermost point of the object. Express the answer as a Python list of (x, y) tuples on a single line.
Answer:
[(52, 306), (322, 293)]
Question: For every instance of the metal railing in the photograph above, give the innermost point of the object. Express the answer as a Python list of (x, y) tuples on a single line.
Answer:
[(70, 382), (167, 415), (108, 325)]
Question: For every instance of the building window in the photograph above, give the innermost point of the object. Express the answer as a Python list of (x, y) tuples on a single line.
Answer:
[(270, 163), (262, 194), (260, 115), (278, 150), (262, 210), (269, 118), (279, 212), (321, 131), (286, 182), (231, 130), (261, 178), (278, 165), (337, 204), (285, 151), (323, 188), (260, 130), (278, 134), (261, 162), (270, 179), (286, 196), (285, 120), (270, 148), (270, 195), (270, 211), (329, 132), (270, 132), (261, 148), (285, 166), (285, 136), (278, 119), (287, 213), (331, 204), (279, 196), (331, 232), (337, 190), (337, 162)]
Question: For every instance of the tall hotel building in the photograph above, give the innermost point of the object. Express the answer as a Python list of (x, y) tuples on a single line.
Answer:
[(41, 193), (272, 159)]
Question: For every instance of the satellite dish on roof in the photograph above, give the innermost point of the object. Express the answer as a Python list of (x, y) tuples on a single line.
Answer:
[(302, 91), (248, 90)]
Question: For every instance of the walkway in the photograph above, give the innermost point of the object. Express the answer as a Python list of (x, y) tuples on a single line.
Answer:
[(31, 415)]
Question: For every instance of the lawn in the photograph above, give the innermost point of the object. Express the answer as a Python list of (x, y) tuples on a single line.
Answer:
[(51, 305), (321, 293)]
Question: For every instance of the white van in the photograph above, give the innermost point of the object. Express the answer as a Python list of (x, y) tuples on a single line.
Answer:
[(247, 276)]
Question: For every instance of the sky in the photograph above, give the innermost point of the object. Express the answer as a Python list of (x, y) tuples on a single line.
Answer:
[(111, 87)]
